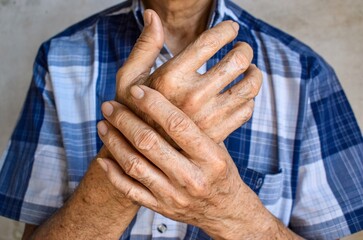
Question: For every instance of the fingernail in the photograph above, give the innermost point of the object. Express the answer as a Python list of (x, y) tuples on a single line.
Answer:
[(107, 109), (147, 18), (137, 92), (102, 164), (102, 128), (235, 26)]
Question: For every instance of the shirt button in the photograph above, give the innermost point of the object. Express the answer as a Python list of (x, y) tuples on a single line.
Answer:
[(259, 183), (162, 228)]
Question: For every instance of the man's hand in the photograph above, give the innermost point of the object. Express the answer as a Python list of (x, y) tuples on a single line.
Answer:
[(199, 185), (199, 96)]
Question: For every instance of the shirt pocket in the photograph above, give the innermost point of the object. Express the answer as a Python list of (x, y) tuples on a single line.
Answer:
[(272, 188), (269, 186)]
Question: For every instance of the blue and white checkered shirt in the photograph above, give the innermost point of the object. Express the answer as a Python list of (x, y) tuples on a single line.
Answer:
[(301, 152)]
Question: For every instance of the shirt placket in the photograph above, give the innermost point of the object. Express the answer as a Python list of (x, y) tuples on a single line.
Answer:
[(163, 227)]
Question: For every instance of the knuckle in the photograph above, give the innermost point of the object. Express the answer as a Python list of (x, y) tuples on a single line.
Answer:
[(205, 123), (118, 119), (209, 40), (182, 203), (255, 84), (130, 194), (155, 101), (199, 188), (157, 81), (201, 191), (240, 59), (195, 97), (177, 123), (163, 81), (248, 111), (113, 143), (252, 86), (248, 115), (145, 139), (246, 48), (168, 75), (121, 82), (259, 76), (123, 74), (133, 167), (192, 102), (149, 38), (220, 167)]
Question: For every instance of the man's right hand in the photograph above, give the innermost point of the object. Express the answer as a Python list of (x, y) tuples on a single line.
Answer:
[(199, 96)]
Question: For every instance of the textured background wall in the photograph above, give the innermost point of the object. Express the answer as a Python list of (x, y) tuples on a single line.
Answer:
[(333, 28)]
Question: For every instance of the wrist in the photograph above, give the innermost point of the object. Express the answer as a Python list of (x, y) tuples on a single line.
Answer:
[(99, 197), (98, 190), (94, 209), (275, 229), (249, 219)]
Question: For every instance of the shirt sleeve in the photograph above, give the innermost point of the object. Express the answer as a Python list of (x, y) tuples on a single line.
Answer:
[(329, 194), (33, 168)]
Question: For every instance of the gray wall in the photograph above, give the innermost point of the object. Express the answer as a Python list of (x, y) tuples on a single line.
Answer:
[(333, 28)]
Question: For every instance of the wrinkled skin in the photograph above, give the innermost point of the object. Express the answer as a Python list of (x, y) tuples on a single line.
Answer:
[(199, 96), (199, 183)]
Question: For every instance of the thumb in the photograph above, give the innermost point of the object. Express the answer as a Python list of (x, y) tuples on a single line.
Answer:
[(146, 49)]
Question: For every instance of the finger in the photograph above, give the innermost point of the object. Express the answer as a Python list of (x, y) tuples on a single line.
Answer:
[(147, 141), (246, 89), (221, 130), (145, 51), (133, 164), (130, 188), (206, 45), (228, 69), (176, 124)]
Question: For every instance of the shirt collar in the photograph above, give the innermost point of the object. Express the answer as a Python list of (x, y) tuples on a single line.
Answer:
[(216, 16)]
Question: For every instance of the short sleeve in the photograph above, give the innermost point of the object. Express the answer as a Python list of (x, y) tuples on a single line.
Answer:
[(329, 194), (33, 169)]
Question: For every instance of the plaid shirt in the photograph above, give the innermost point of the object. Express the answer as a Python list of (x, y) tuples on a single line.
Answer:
[(301, 152)]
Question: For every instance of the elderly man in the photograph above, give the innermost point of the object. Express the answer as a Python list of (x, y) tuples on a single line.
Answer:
[(176, 162)]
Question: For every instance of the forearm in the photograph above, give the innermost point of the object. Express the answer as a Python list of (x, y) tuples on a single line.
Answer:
[(280, 231), (265, 227), (95, 211), (249, 220), (271, 228)]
